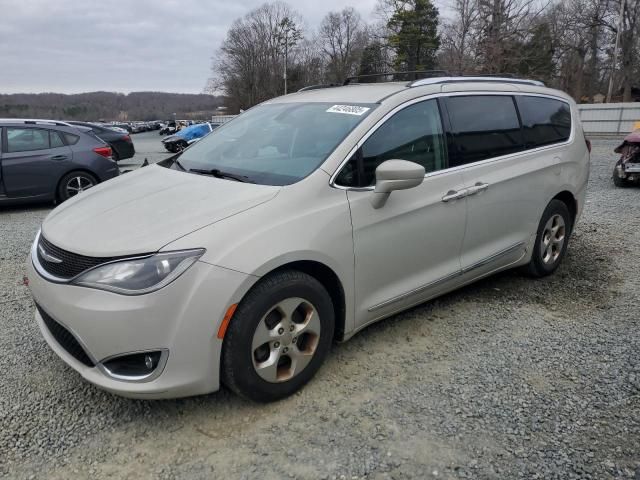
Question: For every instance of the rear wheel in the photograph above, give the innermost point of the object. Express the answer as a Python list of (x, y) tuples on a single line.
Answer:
[(279, 337), (552, 239), (74, 183)]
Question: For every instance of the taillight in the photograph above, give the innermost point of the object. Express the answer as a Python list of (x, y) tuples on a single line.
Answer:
[(103, 151), (127, 138), (588, 142)]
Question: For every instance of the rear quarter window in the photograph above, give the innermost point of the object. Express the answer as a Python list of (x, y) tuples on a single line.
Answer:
[(71, 139), (55, 140), (545, 121)]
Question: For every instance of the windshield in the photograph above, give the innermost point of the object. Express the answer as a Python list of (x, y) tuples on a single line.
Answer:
[(276, 144)]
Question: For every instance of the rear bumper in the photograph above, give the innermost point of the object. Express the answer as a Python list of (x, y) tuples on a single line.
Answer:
[(124, 149)]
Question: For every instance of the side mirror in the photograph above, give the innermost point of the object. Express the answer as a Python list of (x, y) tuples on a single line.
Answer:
[(395, 175)]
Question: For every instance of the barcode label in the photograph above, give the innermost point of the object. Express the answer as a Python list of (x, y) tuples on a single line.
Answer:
[(349, 109)]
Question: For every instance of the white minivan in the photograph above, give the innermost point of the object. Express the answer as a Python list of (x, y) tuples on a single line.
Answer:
[(305, 219)]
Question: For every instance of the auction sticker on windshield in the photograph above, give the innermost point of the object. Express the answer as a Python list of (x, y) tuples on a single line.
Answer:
[(348, 109)]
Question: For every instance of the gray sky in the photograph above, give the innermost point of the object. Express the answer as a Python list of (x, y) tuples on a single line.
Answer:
[(72, 46)]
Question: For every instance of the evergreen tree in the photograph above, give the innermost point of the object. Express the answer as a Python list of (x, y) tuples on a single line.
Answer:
[(415, 39), (373, 59)]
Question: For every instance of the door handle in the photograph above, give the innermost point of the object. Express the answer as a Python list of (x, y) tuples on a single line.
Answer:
[(477, 188), (59, 157), (454, 195)]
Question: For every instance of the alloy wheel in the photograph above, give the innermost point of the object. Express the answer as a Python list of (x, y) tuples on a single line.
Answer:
[(285, 340), (78, 184), (553, 238)]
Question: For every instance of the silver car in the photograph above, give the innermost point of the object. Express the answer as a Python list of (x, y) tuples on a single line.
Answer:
[(301, 222)]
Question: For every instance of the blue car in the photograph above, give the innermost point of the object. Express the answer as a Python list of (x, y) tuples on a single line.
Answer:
[(185, 137)]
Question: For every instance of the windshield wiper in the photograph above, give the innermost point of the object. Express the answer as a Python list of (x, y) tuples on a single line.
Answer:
[(177, 162), (216, 172)]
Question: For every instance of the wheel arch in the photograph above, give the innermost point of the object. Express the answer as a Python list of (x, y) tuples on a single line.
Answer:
[(73, 170), (570, 201), (329, 280)]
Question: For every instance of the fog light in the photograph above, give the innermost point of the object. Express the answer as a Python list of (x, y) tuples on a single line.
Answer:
[(136, 366)]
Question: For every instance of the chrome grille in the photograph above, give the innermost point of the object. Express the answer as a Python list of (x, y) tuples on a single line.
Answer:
[(70, 265)]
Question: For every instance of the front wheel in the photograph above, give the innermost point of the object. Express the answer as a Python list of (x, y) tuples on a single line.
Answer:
[(279, 336), (551, 240)]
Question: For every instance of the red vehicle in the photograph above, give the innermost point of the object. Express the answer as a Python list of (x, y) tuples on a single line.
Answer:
[(627, 169)]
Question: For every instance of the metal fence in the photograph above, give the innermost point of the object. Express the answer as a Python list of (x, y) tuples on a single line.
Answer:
[(610, 118), (220, 119)]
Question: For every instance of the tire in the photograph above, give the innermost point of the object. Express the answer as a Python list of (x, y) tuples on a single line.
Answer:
[(114, 155), (617, 181), (269, 371), (552, 239), (73, 183)]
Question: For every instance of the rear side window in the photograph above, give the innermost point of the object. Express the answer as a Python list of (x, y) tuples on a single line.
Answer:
[(27, 139), (413, 134), (544, 120), (71, 139), (483, 126)]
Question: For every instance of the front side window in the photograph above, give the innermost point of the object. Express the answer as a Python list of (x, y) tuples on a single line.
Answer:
[(26, 139), (483, 126), (275, 144), (413, 134), (544, 120)]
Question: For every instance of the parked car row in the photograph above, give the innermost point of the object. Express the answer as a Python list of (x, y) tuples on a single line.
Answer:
[(188, 135), (172, 126), (138, 127)]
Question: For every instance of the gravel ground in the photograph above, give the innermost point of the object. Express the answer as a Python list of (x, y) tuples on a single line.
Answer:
[(507, 378)]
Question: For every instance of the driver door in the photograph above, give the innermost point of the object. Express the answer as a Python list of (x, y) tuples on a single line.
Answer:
[(408, 250)]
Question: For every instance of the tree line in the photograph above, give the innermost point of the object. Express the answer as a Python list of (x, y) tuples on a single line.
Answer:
[(108, 106), (574, 45)]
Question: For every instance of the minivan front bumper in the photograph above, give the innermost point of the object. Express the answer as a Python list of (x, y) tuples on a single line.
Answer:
[(180, 320)]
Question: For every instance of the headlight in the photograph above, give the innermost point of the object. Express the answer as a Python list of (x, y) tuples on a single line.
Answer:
[(137, 276)]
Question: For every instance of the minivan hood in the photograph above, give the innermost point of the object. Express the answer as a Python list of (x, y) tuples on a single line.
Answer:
[(142, 211)]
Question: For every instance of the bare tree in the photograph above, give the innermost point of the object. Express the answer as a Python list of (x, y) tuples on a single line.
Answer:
[(458, 44), (502, 24), (343, 38), (629, 24), (249, 63)]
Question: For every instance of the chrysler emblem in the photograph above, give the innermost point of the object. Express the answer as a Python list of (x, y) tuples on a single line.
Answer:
[(49, 258)]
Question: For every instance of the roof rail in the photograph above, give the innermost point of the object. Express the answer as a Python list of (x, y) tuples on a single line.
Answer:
[(35, 121), (484, 78), (319, 86), (424, 73)]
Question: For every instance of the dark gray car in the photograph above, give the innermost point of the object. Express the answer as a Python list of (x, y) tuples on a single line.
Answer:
[(43, 160)]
